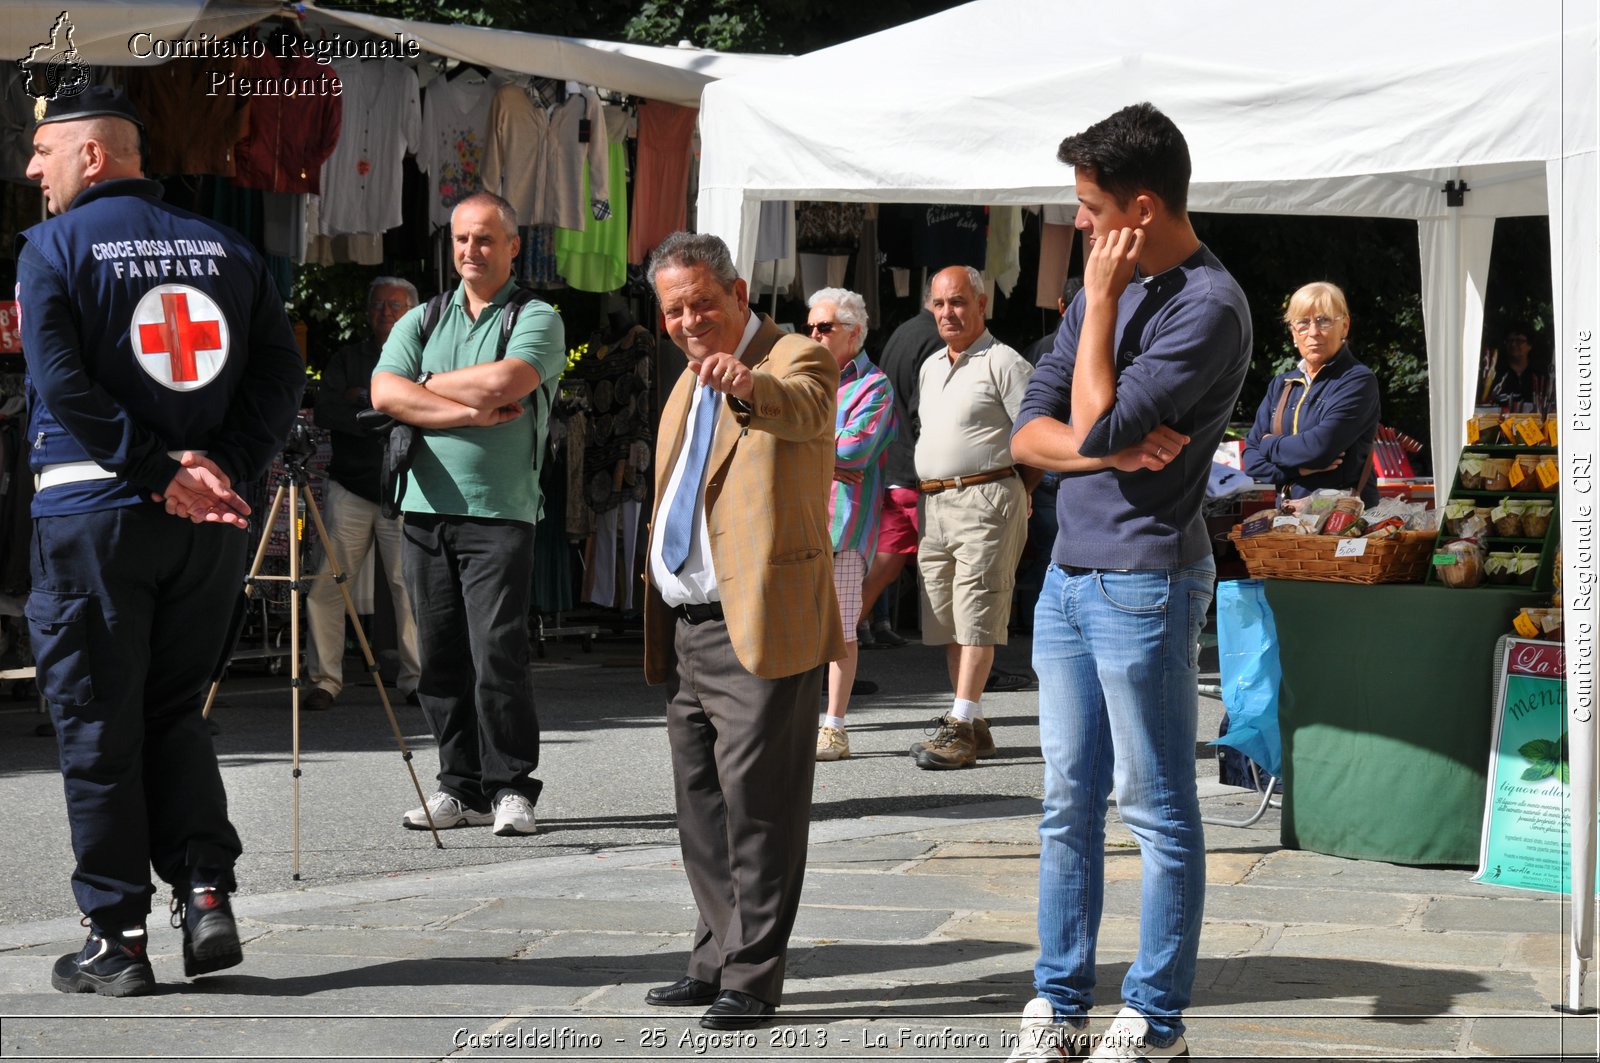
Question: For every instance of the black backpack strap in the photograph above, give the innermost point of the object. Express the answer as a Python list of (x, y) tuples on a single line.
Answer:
[(520, 297), (432, 311)]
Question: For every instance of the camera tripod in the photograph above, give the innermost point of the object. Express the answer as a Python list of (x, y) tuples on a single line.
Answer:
[(294, 491)]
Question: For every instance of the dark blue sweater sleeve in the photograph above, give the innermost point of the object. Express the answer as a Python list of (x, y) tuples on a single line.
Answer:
[(53, 346), (1049, 391), (1167, 379)]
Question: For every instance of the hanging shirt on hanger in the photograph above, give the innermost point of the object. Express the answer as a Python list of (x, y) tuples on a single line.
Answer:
[(950, 236), (661, 176), (514, 153), (576, 139), (290, 136), (596, 259), (455, 115), (1003, 256), (361, 181), (186, 130)]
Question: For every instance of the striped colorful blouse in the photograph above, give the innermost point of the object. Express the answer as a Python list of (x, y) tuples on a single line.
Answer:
[(864, 426)]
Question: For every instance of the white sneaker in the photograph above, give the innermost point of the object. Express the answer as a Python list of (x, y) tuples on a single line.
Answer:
[(513, 814), (448, 813), (1128, 1038), (1043, 1039)]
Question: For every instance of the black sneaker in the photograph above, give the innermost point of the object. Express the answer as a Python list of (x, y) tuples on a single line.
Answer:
[(113, 964), (210, 936)]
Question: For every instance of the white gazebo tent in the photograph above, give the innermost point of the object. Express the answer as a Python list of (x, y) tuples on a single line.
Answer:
[(1355, 107)]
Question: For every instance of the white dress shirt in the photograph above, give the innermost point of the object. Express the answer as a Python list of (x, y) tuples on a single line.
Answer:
[(696, 582)]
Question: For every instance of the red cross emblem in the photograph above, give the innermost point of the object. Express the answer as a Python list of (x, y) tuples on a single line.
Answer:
[(181, 336)]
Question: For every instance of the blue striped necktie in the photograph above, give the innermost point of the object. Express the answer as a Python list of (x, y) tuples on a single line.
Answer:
[(678, 530)]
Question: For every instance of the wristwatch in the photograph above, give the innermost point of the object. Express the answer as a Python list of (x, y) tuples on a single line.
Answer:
[(423, 377)]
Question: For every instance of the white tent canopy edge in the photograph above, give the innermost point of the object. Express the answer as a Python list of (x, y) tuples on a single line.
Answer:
[(104, 32), (967, 106)]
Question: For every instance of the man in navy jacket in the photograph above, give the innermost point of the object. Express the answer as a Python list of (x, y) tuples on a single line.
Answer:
[(162, 374)]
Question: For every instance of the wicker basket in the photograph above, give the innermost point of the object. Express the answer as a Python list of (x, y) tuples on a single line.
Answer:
[(1403, 558)]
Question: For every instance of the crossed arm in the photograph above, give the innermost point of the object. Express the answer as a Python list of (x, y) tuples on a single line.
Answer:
[(478, 396)]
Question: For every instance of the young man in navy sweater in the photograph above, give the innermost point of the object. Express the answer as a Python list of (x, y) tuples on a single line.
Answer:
[(1130, 405)]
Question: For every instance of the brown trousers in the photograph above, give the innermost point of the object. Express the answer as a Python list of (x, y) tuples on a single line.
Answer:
[(743, 757)]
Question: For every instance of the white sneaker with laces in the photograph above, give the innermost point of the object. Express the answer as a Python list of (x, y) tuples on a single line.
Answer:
[(513, 814), (1043, 1039), (448, 813), (1128, 1038)]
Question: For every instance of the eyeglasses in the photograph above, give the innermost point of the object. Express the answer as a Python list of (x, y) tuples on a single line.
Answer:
[(399, 306), (1302, 325), (821, 328)]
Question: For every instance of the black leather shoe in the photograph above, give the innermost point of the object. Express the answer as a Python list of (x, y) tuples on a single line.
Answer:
[(684, 993), (736, 1011)]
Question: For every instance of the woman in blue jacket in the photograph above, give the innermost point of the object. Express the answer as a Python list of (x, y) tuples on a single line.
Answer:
[(1315, 428)]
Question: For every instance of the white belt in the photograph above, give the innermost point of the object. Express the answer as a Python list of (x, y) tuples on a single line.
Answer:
[(75, 472)]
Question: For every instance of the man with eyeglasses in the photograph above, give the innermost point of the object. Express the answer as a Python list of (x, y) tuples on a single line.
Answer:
[(350, 505)]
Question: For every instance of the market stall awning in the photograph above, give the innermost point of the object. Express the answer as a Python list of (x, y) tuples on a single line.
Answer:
[(103, 32), (674, 75)]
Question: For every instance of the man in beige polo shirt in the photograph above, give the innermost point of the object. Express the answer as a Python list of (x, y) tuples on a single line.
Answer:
[(974, 512)]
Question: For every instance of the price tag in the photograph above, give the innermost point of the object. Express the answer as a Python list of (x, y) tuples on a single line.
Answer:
[(1551, 431), (1285, 522), (1530, 432), (1517, 475), (1525, 625), (10, 329), (1445, 559), (1472, 430), (1350, 548), (1549, 474)]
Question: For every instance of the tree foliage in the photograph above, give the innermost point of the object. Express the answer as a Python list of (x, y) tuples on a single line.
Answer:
[(790, 27)]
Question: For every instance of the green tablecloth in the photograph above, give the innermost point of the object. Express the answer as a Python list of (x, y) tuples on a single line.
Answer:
[(1385, 710)]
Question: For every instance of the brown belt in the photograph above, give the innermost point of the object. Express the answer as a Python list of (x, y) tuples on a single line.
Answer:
[(933, 487)]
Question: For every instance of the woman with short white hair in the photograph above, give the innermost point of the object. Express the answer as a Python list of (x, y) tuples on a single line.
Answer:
[(863, 428)]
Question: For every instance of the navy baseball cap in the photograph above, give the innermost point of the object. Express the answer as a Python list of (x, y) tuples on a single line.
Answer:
[(96, 101)]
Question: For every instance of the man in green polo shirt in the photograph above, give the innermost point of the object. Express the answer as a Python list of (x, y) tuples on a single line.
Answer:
[(470, 508)]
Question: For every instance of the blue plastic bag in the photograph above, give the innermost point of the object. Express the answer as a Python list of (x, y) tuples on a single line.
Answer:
[(1247, 650)]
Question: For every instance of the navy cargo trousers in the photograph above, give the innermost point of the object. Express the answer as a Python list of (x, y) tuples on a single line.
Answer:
[(128, 613)]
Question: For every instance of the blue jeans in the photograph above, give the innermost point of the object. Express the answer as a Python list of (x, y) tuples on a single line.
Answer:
[(1117, 654)]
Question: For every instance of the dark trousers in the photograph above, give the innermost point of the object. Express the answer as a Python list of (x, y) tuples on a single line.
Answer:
[(469, 582), (128, 614), (743, 757)]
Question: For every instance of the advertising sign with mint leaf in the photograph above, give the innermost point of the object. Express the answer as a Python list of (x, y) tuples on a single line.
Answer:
[(1526, 808)]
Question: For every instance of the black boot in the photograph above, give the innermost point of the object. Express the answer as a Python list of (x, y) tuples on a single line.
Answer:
[(210, 936), (111, 963)]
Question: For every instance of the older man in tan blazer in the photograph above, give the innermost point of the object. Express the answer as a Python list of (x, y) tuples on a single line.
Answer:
[(739, 618)]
